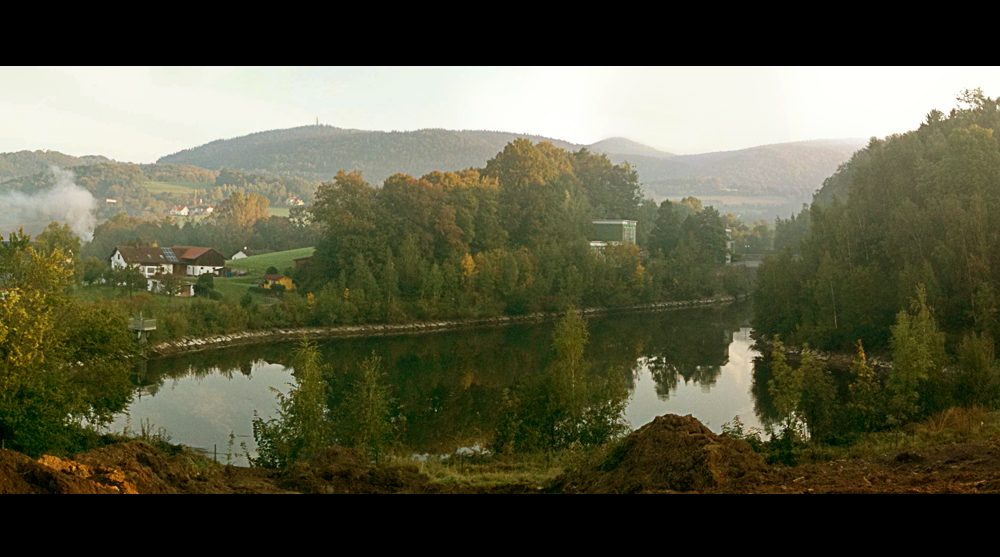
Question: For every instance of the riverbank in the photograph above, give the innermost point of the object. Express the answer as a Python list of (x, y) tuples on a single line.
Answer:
[(187, 345), (669, 455), (834, 360)]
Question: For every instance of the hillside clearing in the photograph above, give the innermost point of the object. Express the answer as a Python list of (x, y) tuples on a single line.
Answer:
[(281, 260)]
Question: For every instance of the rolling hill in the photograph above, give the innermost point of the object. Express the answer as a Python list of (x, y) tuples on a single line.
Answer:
[(793, 170), (622, 146), (783, 169), (26, 163), (318, 152)]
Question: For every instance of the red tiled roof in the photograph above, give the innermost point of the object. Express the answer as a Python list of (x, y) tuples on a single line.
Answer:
[(189, 252)]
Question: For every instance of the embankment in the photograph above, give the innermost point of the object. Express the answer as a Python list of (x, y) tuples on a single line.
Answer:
[(186, 345)]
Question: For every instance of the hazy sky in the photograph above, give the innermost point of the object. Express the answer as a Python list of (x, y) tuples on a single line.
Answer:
[(141, 114)]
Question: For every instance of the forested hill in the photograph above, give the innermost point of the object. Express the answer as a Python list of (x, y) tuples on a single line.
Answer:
[(26, 163), (318, 152), (918, 208), (783, 169)]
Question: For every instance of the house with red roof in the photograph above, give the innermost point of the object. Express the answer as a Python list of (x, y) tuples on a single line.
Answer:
[(154, 262)]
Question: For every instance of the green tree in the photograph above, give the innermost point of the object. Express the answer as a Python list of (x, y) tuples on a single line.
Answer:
[(918, 355), (667, 231), (785, 385), (371, 430), (62, 238), (977, 381), (302, 427), (868, 399)]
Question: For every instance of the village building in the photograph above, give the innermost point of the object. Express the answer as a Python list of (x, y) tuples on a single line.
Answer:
[(180, 261), (243, 254), (271, 280), (200, 261), (178, 211), (302, 263), (606, 233)]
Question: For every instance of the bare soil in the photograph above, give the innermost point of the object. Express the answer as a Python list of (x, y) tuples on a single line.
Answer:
[(953, 468), (671, 453)]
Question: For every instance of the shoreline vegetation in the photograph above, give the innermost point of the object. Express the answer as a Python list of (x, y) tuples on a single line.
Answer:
[(186, 345), (946, 454)]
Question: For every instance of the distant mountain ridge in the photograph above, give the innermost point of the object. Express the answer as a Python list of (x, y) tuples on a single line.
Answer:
[(318, 152), (783, 169), (623, 146)]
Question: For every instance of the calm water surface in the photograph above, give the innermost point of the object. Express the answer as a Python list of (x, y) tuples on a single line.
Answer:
[(449, 385)]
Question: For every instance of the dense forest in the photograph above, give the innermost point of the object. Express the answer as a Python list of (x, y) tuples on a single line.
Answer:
[(898, 255), (920, 208), (508, 238)]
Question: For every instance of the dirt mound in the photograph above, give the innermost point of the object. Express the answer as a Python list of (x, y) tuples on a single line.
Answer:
[(153, 472), (344, 470), (133, 467), (142, 465), (671, 453), (49, 474)]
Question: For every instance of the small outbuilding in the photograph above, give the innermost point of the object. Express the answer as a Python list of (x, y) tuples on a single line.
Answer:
[(271, 280)]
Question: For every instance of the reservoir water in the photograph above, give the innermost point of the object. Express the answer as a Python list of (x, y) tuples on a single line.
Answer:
[(449, 386)]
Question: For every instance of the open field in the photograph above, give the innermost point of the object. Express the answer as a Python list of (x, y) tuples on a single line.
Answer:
[(257, 264), (234, 288), (278, 211)]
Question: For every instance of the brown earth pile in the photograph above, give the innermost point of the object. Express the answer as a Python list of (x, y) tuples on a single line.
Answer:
[(20, 474), (133, 467), (671, 453)]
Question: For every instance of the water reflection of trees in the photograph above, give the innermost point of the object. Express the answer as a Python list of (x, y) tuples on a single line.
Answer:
[(688, 346), (449, 386)]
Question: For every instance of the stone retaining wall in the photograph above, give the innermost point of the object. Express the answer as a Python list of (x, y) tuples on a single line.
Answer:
[(186, 345)]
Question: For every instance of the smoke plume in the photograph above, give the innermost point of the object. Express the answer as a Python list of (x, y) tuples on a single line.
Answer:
[(64, 202)]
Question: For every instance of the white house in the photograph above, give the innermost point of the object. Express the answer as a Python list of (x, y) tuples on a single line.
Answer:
[(180, 211), (156, 262), (151, 261)]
